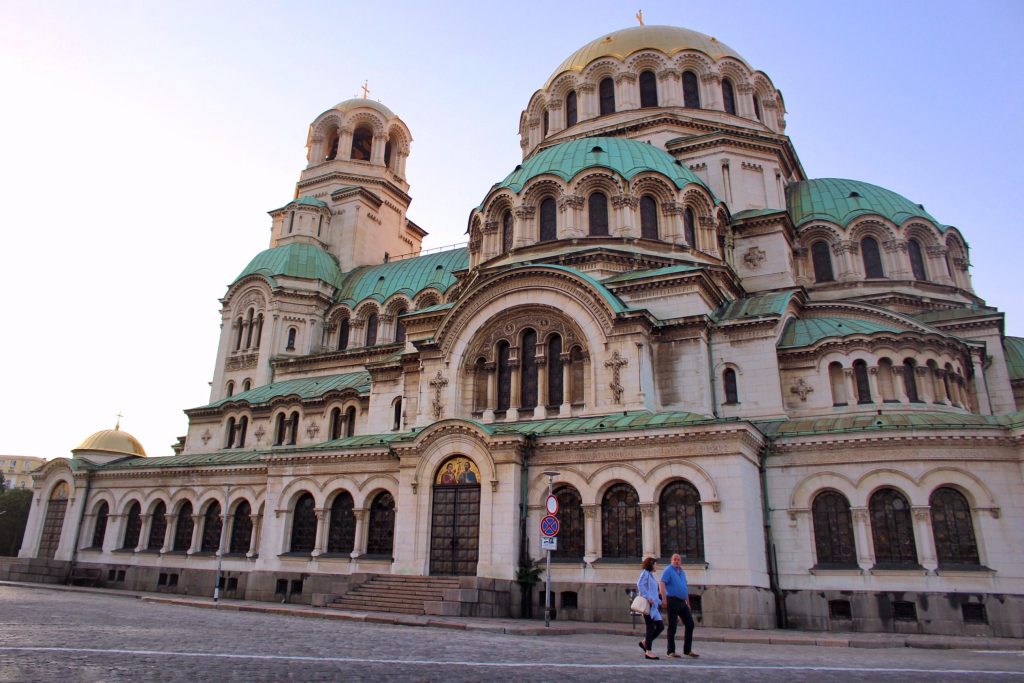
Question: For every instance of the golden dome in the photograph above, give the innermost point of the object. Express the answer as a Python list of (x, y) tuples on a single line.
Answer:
[(621, 44), (112, 441)]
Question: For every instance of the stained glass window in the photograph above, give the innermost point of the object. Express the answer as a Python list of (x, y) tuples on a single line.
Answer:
[(597, 213), (157, 527), (212, 524), (892, 529), (548, 220), (833, 530), (621, 532), (528, 379), (133, 526), (380, 538), (648, 89), (570, 518), (556, 394), (100, 529), (691, 90), (606, 95), (303, 525), (953, 528), (648, 217), (183, 529), (728, 97), (570, 109), (241, 528), (916, 260), (341, 534), (822, 262), (681, 521)]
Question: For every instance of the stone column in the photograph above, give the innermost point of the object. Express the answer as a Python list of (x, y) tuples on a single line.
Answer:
[(254, 535), (323, 516), (923, 536), (980, 384), (565, 410), (514, 398), (711, 92), (876, 390), (377, 153), (925, 385), (359, 543), (197, 533), (225, 532), (745, 100), (492, 391), (591, 548), (938, 271), (172, 524), (670, 90), (147, 521), (844, 252), (112, 536), (940, 386), (344, 143), (899, 384), (541, 410), (852, 396), (626, 92), (862, 537), (556, 115), (586, 102), (647, 521)]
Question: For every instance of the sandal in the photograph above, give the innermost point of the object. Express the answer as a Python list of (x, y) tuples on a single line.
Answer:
[(649, 656)]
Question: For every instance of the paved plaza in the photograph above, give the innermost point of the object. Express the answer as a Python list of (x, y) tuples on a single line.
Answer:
[(50, 635)]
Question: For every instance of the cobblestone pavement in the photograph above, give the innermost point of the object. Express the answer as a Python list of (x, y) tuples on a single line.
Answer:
[(48, 635)]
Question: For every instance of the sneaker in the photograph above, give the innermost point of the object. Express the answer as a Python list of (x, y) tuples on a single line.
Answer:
[(691, 654)]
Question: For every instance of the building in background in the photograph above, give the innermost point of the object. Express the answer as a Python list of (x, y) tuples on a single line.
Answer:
[(790, 381), (17, 470)]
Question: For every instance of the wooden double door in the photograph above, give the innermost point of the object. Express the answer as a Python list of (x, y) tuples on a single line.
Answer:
[(455, 530)]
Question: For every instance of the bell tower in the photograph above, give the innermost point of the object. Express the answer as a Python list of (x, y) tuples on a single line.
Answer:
[(352, 197)]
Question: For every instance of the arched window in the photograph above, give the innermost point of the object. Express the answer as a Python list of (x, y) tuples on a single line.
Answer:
[(293, 428), (757, 108), (229, 391), (480, 385), (916, 260), (648, 89), (303, 525), (576, 375), (885, 383), (371, 330), (387, 153), (597, 213), (332, 146), (350, 421), (570, 524), (343, 328), (229, 433), (239, 325), (892, 529), (621, 532), (822, 261), (837, 380), (548, 220), (648, 217), (99, 531), (689, 231), (953, 529), (341, 534), (362, 143), (681, 521), (860, 376), (246, 385), (211, 529), (399, 326), (243, 425), (504, 376), (556, 392), (732, 396), (396, 418), (872, 258), (506, 232), (691, 90), (259, 329), (606, 95), (570, 109), (248, 329), (910, 380), (728, 97), (380, 536), (336, 425), (528, 378), (290, 346), (183, 528), (833, 530), (280, 430), (241, 529), (157, 527), (133, 527)]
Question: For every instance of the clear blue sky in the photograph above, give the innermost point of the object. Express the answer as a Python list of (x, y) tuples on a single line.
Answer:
[(142, 143)]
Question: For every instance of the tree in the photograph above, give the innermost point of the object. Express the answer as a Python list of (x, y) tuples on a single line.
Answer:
[(14, 505)]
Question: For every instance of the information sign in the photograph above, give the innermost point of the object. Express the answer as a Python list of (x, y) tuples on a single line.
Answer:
[(548, 543)]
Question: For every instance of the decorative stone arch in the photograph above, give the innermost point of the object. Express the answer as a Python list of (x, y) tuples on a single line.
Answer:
[(365, 308), (376, 122), (695, 62), (667, 473), (396, 303), (881, 478), (296, 487), (238, 494), (811, 485), (881, 230), (398, 134), (978, 495), (597, 179), (179, 497), (443, 439), (560, 87), (427, 298), (567, 476), (925, 233), (598, 70), (498, 204), (606, 476), (735, 71), (102, 496), (335, 486), (373, 487), (330, 119), (648, 60), (763, 87), (126, 498), (829, 232), (207, 498), (156, 496), (254, 294), (655, 185)]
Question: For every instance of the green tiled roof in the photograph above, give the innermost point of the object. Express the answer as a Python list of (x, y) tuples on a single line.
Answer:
[(307, 387), (1014, 348), (310, 201), (229, 457), (601, 423), (772, 303), (806, 332), (887, 420), (753, 213), (625, 157), (954, 314), (841, 201), (296, 259), (641, 274), (408, 276)]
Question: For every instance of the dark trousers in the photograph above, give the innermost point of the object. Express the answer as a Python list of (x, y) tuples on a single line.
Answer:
[(654, 629), (678, 609)]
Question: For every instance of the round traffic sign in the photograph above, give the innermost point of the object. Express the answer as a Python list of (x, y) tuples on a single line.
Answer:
[(551, 505), (549, 526)]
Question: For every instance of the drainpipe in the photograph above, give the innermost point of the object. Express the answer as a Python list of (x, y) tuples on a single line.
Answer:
[(78, 526), (524, 545), (711, 375), (781, 618)]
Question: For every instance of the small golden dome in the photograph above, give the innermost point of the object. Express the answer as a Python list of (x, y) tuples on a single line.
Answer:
[(621, 44), (112, 441)]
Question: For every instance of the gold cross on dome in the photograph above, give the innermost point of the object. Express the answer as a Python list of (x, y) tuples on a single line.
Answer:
[(640, 16), (119, 416), (366, 89)]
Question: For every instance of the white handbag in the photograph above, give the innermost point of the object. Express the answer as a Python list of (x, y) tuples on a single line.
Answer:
[(640, 605)]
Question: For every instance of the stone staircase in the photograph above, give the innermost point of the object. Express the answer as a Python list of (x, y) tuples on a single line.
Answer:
[(400, 594)]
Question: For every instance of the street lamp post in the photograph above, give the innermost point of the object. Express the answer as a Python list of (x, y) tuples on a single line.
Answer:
[(547, 571), (220, 546)]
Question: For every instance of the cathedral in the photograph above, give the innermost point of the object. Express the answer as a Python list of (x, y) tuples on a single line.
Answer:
[(789, 381)]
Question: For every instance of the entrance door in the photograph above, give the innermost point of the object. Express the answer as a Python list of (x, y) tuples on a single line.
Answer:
[(454, 533), (455, 523)]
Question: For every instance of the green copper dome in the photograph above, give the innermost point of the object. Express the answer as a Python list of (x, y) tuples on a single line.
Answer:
[(297, 259), (841, 201), (625, 157)]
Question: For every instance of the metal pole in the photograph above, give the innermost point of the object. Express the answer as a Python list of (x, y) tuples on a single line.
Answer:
[(547, 579), (220, 546)]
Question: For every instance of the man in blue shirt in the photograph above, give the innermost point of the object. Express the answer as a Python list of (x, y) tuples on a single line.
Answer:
[(673, 586)]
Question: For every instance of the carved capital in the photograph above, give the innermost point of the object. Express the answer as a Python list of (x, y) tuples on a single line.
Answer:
[(573, 201), (628, 200), (490, 226)]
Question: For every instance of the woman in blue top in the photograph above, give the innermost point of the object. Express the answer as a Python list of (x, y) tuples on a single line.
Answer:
[(647, 586)]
